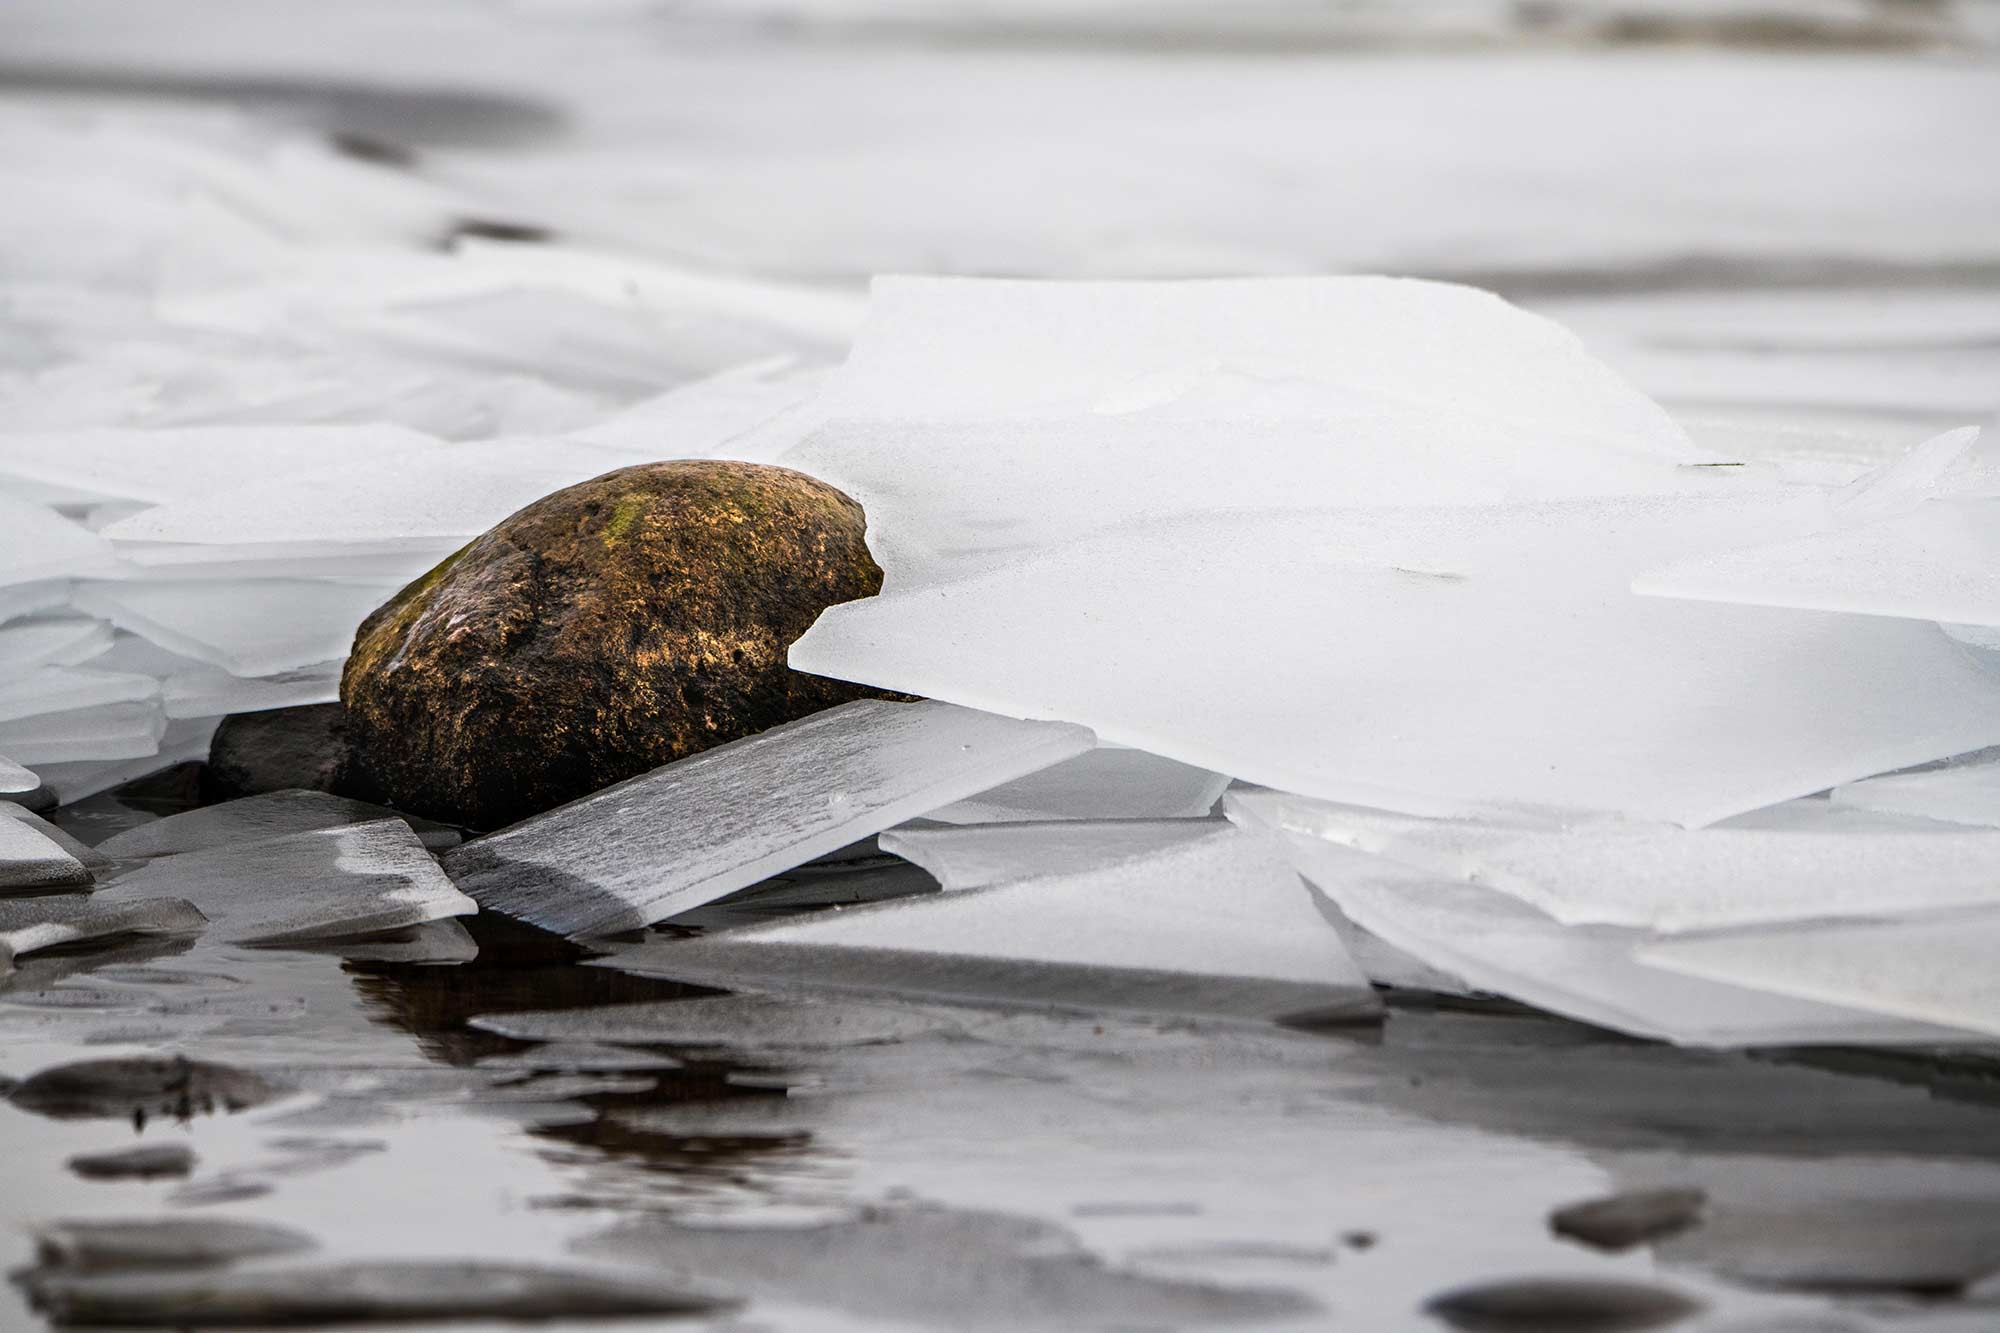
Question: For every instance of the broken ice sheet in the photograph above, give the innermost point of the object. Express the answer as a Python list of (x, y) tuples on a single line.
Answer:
[(256, 627), (25, 599), (61, 689), (1816, 863), (258, 818), (323, 884), (183, 741), (15, 777), (28, 924), (722, 820), (30, 860), (976, 855), (89, 856), (61, 642), (38, 544), (741, 1021), (162, 466), (1965, 791), (1436, 661), (1213, 927), (168, 1242), (106, 731), (1499, 944), (1934, 968), (1109, 782)]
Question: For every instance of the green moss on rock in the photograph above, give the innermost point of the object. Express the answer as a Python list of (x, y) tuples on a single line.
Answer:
[(604, 630)]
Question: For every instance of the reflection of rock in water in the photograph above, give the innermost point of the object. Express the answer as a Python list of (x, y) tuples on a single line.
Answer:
[(141, 1087), (518, 967)]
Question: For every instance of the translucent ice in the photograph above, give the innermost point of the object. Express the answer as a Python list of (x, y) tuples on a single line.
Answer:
[(91, 858), (63, 689), (255, 819), (207, 691), (693, 831), (162, 466), (1109, 782), (350, 880), (981, 854), (1958, 793), (104, 731), (250, 628), (184, 739), (1663, 878), (1932, 969), (28, 860), (37, 544), (24, 599), (1218, 926), (1499, 944), (28, 924), (67, 641), (722, 1020), (14, 777), (1440, 661)]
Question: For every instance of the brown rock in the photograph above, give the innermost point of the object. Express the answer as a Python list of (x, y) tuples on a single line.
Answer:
[(283, 749), (601, 632)]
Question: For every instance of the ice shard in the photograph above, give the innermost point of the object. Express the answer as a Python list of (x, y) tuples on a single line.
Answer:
[(51, 642), (61, 689), (741, 1021), (259, 818), (1966, 791), (37, 544), (89, 856), (25, 599), (1499, 944), (15, 777), (1109, 782), (32, 862), (255, 627), (693, 831), (107, 731), (972, 856), (28, 924), (184, 740), (1218, 927), (163, 466), (324, 884), (1440, 661), (1815, 863)]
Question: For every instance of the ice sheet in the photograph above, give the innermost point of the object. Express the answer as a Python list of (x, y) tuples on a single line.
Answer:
[(323, 884), (1937, 561), (206, 691), (37, 544), (162, 466), (64, 641), (1499, 944), (1442, 661), (28, 924), (982, 854), (1109, 782), (252, 819), (62, 689), (28, 860), (184, 739), (252, 628), (89, 856), (1218, 926), (1959, 793), (24, 599), (14, 777), (1934, 969), (1660, 877), (105, 731), (693, 831)]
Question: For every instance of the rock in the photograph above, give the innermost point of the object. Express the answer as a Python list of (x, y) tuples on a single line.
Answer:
[(40, 800), (601, 632), (1624, 1220), (1573, 1305), (283, 749), (139, 1087)]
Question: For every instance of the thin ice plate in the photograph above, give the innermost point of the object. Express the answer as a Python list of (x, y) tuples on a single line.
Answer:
[(975, 855), (253, 628), (254, 819), (1109, 782)]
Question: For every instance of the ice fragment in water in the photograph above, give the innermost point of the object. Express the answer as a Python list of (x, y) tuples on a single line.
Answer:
[(1436, 661), (15, 777), (1215, 927), (37, 544), (1663, 878), (167, 1242), (1109, 782), (1962, 792), (744, 1021), (163, 466), (379, 1292), (972, 856), (148, 1161), (28, 924), (257, 818), (31, 860), (137, 1087), (89, 856), (706, 826), (1934, 969), (250, 628), (1625, 1220), (183, 740), (330, 882), (1587, 1305), (1499, 944)]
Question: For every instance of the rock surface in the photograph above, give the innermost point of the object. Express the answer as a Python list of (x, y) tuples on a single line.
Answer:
[(601, 632), (283, 749)]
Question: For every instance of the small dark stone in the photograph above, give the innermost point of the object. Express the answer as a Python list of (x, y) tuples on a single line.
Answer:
[(367, 148), (151, 1161), (41, 800), (1625, 1220), (284, 749), (1560, 1305), (491, 229), (600, 633), (140, 1087)]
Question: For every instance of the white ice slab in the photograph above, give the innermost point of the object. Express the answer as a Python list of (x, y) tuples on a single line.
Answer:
[(1499, 944), (37, 544), (255, 628), (207, 691), (1660, 877), (977, 855), (251, 819), (1109, 782), (1934, 969), (183, 740), (60, 689), (31, 861), (163, 466), (106, 731), (323, 884), (25, 599), (693, 831), (1960, 793), (89, 856), (1443, 661), (1217, 926), (28, 924), (1937, 561), (54, 641), (15, 777)]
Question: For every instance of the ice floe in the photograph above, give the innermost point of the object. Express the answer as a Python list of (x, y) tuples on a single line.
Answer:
[(258, 818)]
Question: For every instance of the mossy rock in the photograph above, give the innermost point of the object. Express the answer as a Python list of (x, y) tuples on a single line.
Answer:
[(606, 629)]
